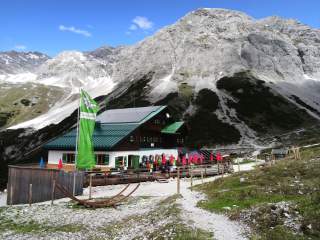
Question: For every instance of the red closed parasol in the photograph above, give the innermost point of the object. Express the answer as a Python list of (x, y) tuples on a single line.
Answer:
[(211, 157), (219, 157), (171, 159), (184, 161), (164, 159), (60, 166)]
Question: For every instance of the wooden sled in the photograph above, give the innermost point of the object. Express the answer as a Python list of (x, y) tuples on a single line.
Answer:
[(91, 203)]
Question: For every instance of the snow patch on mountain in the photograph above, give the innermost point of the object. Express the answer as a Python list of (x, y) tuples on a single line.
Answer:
[(19, 78)]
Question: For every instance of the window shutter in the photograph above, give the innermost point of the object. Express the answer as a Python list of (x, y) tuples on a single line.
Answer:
[(106, 159)]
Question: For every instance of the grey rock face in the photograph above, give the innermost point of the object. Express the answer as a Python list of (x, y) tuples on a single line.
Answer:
[(17, 62), (208, 44)]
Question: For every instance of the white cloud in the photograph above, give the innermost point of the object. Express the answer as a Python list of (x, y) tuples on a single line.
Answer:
[(75, 30), (142, 22), (20, 47)]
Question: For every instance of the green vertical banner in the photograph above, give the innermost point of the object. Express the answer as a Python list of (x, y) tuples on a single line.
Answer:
[(88, 111)]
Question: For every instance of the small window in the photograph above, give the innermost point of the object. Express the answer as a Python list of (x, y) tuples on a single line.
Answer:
[(120, 161), (101, 159), (131, 138), (68, 157)]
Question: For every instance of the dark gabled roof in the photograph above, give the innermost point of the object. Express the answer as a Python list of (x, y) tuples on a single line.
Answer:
[(112, 128), (129, 115), (104, 137)]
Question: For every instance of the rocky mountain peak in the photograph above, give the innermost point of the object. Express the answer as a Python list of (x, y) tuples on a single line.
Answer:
[(12, 62), (199, 55)]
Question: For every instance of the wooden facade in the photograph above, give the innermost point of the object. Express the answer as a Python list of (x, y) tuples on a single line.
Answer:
[(149, 135)]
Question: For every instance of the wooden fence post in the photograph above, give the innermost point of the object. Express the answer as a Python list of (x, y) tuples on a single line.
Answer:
[(30, 194), (74, 184), (90, 185), (53, 191), (191, 175), (11, 195), (178, 180), (238, 165)]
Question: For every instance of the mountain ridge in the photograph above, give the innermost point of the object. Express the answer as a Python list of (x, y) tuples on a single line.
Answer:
[(195, 53)]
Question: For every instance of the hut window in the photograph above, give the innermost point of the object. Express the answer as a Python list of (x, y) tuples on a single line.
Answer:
[(131, 138), (68, 157), (157, 121), (120, 161), (101, 159)]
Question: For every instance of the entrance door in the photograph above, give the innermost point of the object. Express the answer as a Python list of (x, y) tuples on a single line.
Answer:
[(133, 161)]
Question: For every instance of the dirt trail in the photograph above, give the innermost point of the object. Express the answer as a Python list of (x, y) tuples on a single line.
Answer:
[(221, 226)]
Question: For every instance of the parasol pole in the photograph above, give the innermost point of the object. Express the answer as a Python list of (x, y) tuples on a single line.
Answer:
[(76, 153)]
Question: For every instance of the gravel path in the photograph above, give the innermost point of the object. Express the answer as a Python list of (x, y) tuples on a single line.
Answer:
[(221, 226)]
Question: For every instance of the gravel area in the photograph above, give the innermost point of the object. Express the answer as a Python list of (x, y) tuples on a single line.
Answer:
[(88, 222)]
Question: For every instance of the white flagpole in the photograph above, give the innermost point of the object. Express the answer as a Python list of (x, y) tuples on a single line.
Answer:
[(76, 153)]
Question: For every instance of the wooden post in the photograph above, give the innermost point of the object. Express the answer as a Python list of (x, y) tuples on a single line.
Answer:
[(191, 175), (30, 194), (178, 180), (11, 194), (53, 191), (202, 176), (205, 170), (74, 184), (90, 185)]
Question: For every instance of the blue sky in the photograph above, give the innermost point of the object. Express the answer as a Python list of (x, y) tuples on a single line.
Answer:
[(51, 26)]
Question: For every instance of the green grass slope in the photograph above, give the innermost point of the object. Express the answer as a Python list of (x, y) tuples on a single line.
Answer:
[(278, 202), (25, 101)]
